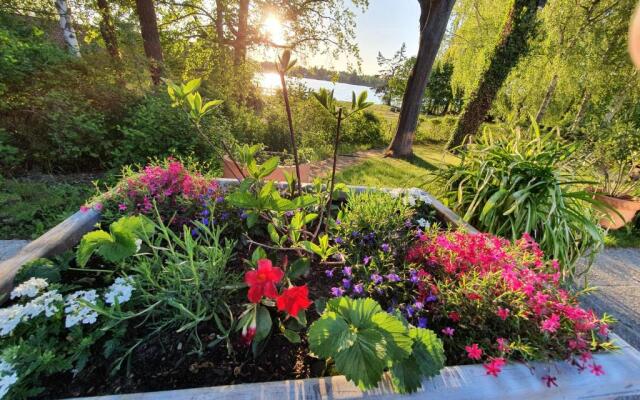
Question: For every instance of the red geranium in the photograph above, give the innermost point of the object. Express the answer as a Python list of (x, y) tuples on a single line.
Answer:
[(293, 300), (262, 282)]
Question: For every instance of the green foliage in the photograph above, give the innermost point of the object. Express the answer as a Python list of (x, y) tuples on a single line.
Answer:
[(38, 268), (30, 207), (122, 240), (511, 183), (363, 128), (363, 340)]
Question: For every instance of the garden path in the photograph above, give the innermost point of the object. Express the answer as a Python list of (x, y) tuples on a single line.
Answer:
[(323, 168), (616, 274)]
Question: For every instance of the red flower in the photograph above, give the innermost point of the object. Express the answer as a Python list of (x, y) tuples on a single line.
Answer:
[(503, 313), (262, 282), (293, 300), (474, 352), (495, 366), (454, 316)]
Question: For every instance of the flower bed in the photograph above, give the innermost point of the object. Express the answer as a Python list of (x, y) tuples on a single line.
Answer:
[(192, 282)]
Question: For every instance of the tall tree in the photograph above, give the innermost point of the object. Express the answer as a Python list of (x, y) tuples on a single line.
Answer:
[(519, 26), (108, 30), (434, 15), (388, 71), (150, 37), (66, 24)]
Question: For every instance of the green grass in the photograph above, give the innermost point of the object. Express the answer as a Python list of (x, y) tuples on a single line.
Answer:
[(399, 173), (625, 237), (28, 207)]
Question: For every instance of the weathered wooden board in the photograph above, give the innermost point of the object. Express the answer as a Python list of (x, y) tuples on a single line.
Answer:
[(517, 381), (55, 241)]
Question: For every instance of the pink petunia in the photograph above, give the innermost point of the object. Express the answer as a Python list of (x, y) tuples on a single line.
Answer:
[(474, 352), (551, 324)]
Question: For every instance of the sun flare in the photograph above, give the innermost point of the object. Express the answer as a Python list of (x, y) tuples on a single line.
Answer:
[(273, 28)]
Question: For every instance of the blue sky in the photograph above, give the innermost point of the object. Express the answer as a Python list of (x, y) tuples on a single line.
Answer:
[(383, 27)]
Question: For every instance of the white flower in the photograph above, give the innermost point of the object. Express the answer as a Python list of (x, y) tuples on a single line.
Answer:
[(10, 317), (8, 377), (78, 312), (423, 223), (119, 292), (29, 288), (138, 244)]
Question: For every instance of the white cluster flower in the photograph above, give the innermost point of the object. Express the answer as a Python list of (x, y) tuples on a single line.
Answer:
[(119, 292), (46, 303), (29, 288), (413, 195), (423, 223), (78, 312), (8, 377)]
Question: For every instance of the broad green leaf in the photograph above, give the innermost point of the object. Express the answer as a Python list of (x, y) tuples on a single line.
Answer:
[(406, 376), (363, 362), (328, 335), (428, 351), (273, 234), (191, 85), (298, 268), (399, 344), (292, 336), (268, 167), (263, 323), (258, 254), (89, 243)]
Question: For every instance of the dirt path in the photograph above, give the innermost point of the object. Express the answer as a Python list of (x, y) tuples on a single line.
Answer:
[(323, 168)]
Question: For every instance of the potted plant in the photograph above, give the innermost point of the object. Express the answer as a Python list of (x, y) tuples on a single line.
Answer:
[(614, 159)]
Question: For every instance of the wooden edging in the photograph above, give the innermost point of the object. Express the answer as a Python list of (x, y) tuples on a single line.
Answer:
[(516, 381)]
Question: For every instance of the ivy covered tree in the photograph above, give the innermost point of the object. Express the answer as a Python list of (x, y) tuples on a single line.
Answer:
[(519, 26)]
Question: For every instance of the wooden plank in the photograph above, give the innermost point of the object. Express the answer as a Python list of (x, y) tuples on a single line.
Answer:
[(621, 378), (60, 238)]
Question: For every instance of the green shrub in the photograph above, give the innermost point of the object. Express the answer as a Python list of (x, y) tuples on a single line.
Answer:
[(28, 208), (154, 129), (511, 184), (363, 128), (435, 129)]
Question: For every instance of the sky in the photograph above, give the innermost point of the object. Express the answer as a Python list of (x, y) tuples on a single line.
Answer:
[(383, 27)]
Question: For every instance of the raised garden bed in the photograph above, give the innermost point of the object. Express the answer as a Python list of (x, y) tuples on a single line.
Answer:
[(153, 369)]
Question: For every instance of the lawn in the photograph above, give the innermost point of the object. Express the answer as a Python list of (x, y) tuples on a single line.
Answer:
[(391, 172)]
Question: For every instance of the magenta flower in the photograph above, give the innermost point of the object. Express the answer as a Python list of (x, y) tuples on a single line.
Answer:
[(495, 366), (551, 324), (473, 352), (449, 331), (503, 313), (122, 207), (596, 369)]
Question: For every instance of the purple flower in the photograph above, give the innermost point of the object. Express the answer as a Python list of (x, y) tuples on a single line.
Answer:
[(336, 291), (385, 247), (224, 216), (376, 278), (408, 223), (219, 199), (122, 207), (194, 232), (419, 233), (422, 322), (410, 311), (339, 240), (358, 288), (431, 298), (329, 273), (289, 214), (338, 222), (347, 271), (448, 331), (346, 283), (392, 277), (418, 305), (205, 212), (205, 221), (366, 260), (243, 215), (355, 234)]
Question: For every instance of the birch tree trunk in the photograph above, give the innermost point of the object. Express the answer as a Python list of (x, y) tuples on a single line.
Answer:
[(547, 98), (150, 37), (434, 15), (582, 110), (66, 24)]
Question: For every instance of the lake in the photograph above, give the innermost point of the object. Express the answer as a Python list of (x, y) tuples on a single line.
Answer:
[(270, 81)]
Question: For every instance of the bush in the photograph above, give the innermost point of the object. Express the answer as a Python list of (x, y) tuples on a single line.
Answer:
[(435, 129), (363, 128), (511, 184)]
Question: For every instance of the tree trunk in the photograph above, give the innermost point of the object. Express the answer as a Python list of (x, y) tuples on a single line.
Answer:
[(108, 31), (240, 43), (150, 37), (582, 111), (518, 27), (434, 16), (66, 24), (547, 98)]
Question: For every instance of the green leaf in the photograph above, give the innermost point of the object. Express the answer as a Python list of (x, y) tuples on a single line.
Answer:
[(89, 243), (399, 344), (363, 362), (268, 167), (310, 218), (252, 219), (258, 254), (298, 268), (191, 85), (273, 233), (263, 323), (428, 351), (292, 336), (328, 335)]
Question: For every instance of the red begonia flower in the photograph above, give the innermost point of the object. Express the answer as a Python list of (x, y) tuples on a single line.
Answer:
[(293, 300), (262, 281)]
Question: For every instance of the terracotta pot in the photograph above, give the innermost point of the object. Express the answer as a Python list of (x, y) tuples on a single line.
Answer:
[(229, 170), (626, 208)]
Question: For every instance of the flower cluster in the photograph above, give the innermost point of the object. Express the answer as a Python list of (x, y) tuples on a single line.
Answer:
[(29, 288), (8, 377), (119, 292), (76, 309), (12, 316), (483, 281)]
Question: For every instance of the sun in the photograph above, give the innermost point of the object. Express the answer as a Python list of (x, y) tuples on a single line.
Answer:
[(273, 28)]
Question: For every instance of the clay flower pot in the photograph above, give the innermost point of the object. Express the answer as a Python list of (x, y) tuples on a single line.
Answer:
[(229, 170), (626, 209)]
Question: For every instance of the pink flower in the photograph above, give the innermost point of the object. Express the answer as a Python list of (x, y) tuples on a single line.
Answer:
[(84, 208), (503, 313), (122, 207), (585, 356), (449, 331), (97, 207), (495, 366), (596, 369), (474, 352), (603, 329), (503, 345), (551, 324)]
